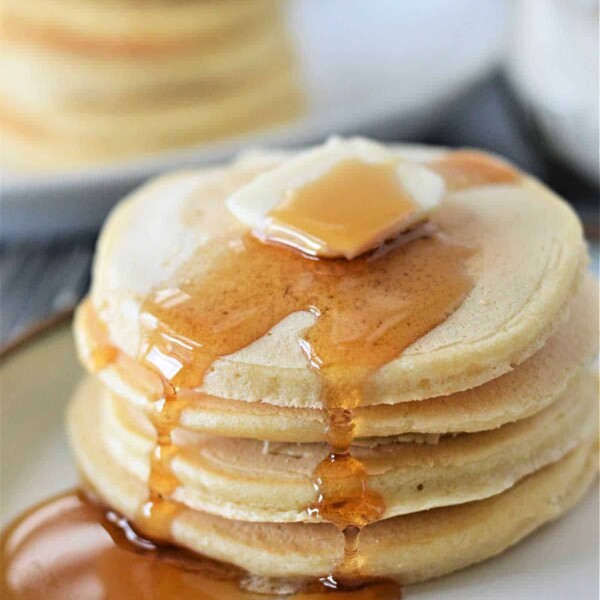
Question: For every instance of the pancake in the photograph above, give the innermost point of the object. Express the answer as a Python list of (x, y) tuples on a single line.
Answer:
[(248, 480), (28, 148), (411, 548), (121, 28), (523, 280), (66, 138), (527, 389), (90, 82), (62, 80), (431, 396)]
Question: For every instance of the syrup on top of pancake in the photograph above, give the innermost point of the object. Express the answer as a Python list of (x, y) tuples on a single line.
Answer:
[(368, 310), (340, 199)]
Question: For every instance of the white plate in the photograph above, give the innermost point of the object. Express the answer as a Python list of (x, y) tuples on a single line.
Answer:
[(384, 68), (558, 562)]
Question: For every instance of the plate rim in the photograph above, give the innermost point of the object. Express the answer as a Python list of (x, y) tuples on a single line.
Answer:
[(35, 332)]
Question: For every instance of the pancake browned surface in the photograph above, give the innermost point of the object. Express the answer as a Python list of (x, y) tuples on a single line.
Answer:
[(514, 305)]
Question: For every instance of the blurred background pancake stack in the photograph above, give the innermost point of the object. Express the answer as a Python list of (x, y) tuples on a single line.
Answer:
[(93, 81), (476, 434)]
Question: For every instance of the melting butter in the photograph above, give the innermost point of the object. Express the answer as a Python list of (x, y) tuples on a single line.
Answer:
[(339, 200)]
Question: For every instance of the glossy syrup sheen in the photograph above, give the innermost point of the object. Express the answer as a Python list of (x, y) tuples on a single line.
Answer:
[(367, 311), (156, 514), (312, 218), (72, 548)]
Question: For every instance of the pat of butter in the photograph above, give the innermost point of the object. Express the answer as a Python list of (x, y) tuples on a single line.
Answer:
[(340, 199)]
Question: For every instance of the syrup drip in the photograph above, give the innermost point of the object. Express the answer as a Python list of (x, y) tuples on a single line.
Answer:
[(317, 210), (368, 310), (103, 356), (157, 513)]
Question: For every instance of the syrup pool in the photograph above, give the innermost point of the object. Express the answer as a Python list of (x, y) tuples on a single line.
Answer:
[(71, 547)]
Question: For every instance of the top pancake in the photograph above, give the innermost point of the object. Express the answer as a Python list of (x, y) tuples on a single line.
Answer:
[(528, 261), (524, 391)]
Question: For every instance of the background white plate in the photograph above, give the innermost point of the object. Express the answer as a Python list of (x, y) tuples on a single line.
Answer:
[(385, 68), (558, 562)]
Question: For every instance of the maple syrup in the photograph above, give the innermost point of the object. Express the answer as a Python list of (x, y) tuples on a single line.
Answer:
[(312, 218), (102, 357), (103, 354), (367, 311), (157, 513), (72, 547), (463, 169)]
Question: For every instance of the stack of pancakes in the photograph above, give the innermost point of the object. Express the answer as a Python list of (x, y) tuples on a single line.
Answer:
[(478, 433), (89, 81)]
